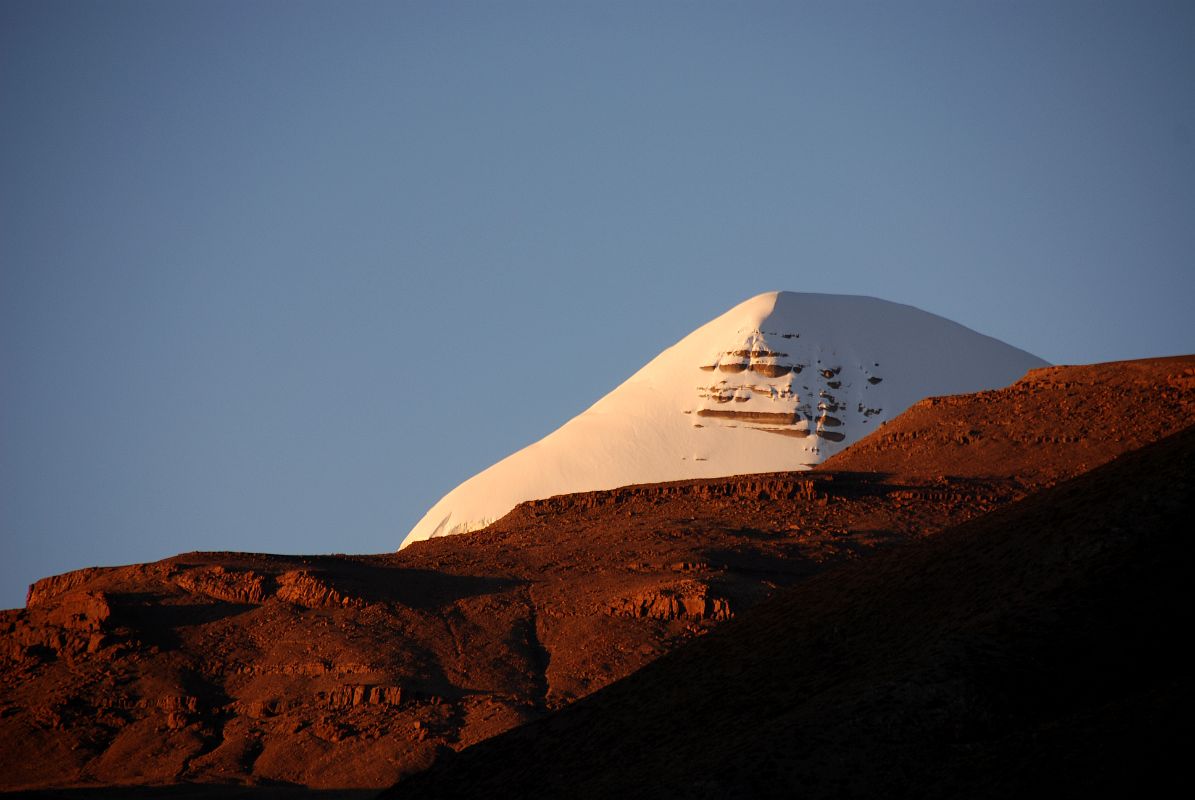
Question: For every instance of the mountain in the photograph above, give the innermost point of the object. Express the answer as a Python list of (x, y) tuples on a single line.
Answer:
[(779, 382), (1036, 651), (301, 674)]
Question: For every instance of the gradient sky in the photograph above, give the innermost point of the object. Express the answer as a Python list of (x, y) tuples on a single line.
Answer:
[(275, 276)]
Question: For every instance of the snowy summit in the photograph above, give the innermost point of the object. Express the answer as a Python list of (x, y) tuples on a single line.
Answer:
[(779, 382)]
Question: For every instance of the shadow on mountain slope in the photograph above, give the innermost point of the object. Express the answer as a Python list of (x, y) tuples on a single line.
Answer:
[(1038, 648)]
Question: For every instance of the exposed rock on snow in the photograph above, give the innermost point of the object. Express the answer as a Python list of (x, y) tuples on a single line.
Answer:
[(780, 382)]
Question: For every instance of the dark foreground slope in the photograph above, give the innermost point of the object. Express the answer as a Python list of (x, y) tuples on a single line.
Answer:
[(1039, 648)]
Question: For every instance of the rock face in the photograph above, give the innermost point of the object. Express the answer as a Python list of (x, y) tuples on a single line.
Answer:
[(683, 600), (779, 382)]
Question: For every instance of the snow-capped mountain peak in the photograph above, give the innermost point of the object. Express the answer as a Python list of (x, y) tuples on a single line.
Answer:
[(779, 382)]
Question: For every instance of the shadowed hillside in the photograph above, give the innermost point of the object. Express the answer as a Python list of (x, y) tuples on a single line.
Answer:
[(1036, 650)]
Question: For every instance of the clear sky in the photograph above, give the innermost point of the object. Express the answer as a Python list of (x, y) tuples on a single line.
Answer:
[(275, 276)]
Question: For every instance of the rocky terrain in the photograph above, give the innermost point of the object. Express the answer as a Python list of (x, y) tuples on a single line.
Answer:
[(1054, 423), (342, 671), (289, 674), (1033, 652)]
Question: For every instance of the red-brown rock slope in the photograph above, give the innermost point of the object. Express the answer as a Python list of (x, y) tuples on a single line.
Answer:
[(340, 671)]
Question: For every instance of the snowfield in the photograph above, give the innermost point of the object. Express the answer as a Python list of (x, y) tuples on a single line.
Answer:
[(779, 382)]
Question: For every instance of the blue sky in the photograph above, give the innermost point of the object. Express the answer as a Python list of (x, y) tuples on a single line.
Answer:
[(275, 276)]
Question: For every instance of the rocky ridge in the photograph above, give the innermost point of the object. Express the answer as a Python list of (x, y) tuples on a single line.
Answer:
[(1054, 423)]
